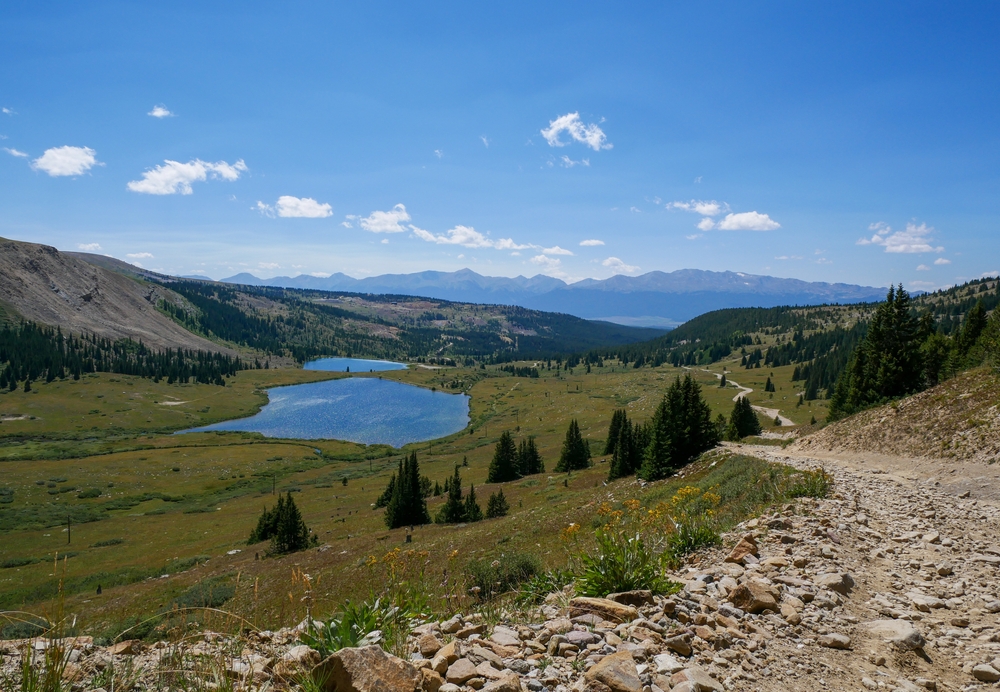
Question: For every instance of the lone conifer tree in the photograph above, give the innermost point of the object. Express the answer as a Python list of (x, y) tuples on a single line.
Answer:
[(407, 505), (497, 505), (284, 527), (529, 460), (575, 453), (504, 466), (742, 421), (473, 512), (681, 429), (453, 510)]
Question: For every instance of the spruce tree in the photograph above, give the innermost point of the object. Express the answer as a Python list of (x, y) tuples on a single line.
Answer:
[(453, 510), (742, 421), (497, 505), (407, 506), (575, 453), (504, 466), (616, 422), (681, 429), (473, 512), (529, 460), (291, 533)]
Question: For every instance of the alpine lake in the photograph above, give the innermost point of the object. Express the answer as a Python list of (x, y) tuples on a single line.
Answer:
[(367, 410)]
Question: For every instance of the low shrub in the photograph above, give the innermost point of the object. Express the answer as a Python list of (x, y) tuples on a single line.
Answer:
[(89, 494), (210, 593), (18, 562), (491, 578), (109, 542)]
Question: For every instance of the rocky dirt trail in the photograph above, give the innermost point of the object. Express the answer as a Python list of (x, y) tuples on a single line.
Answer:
[(770, 413)]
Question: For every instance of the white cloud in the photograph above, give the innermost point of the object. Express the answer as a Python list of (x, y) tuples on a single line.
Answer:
[(923, 268), (347, 224), (555, 250), (268, 265), (7, 111), (320, 275), (698, 179), (941, 260), (160, 111), (485, 140), (913, 239), (139, 255), (703, 207), (824, 260), (466, 236), (265, 209), (788, 257), (591, 135), (635, 210), (66, 161), (386, 221), (90, 247), (15, 152), (747, 221), (693, 236), (174, 177), (619, 267), (302, 207), (385, 241), (567, 162), (706, 224), (438, 153), (591, 243)]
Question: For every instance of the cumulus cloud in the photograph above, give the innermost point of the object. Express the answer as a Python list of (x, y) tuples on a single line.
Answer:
[(567, 162), (139, 255), (60, 161), (913, 239), (15, 152), (386, 221), (466, 236), (298, 207), (703, 207), (591, 135), (160, 111), (555, 250), (747, 221), (941, 260), (923, 268), (174, 177), (619, 267), (706, 224), (593, 242), (90, 247)]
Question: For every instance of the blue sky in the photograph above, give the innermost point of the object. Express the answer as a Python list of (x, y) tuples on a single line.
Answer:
[(844, 142)]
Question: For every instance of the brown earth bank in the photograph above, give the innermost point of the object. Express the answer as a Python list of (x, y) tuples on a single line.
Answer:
[(44, 285), (888, 583)]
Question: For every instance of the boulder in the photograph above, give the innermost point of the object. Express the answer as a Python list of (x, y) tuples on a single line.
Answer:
[(835, 640), (428, 645), (366, 669), (637, 597), (617, 672), (430, 680), (606, 608), (753, 597), (899, 633), (697, 680), (984, 672), (461, 671), (746, 546)]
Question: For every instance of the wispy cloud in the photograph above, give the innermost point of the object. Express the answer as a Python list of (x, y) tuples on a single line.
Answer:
[(160, 111), (89, 247), (174, 177), (485, 140), (15, 152), (296, 207), (593, 242), (913, 239), (788, 257), (619, 267), (591, 135), (708, 209), (703, 207), (466, 236), (268, 265), (438, 153), (61, 161), (139, 255), (941, 261), (386, 221), (567, 162), (8, 111), (923, 268), (555, 250)]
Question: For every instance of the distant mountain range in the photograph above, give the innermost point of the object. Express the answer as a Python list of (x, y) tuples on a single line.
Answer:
[(652, 299)]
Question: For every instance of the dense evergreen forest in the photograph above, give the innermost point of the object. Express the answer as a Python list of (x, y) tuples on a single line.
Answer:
[(30, 352)]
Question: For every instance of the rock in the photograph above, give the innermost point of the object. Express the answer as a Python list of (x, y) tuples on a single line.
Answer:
[(367, 669), (296, 661), (504, 636), (617, 672), (467, 632), (428, 645), (430, 681), (899, 633), (697, 679), (448, 687), (790, 614), (835, 640), (508, 683), (607, 609), (753, 597), (461, 671), (578, 638), (841, 583), (451, 626), (931, 537), (637, 597), (746, 546), (667, 664), (984, 672), (126, 648), (925, 603), (680, 644)]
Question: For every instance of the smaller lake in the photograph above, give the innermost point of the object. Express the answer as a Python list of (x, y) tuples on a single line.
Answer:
[(358, 409), (352, 365)]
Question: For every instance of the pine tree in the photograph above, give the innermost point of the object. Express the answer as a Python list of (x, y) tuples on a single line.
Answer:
[(473, 512), (497, 505), (742, 421), (390, 488), (291, 534), (529, 459), (453, 510), (575, 453), (504, 466), (681, 429), (616, 422), (407, 506), (722, 380)]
